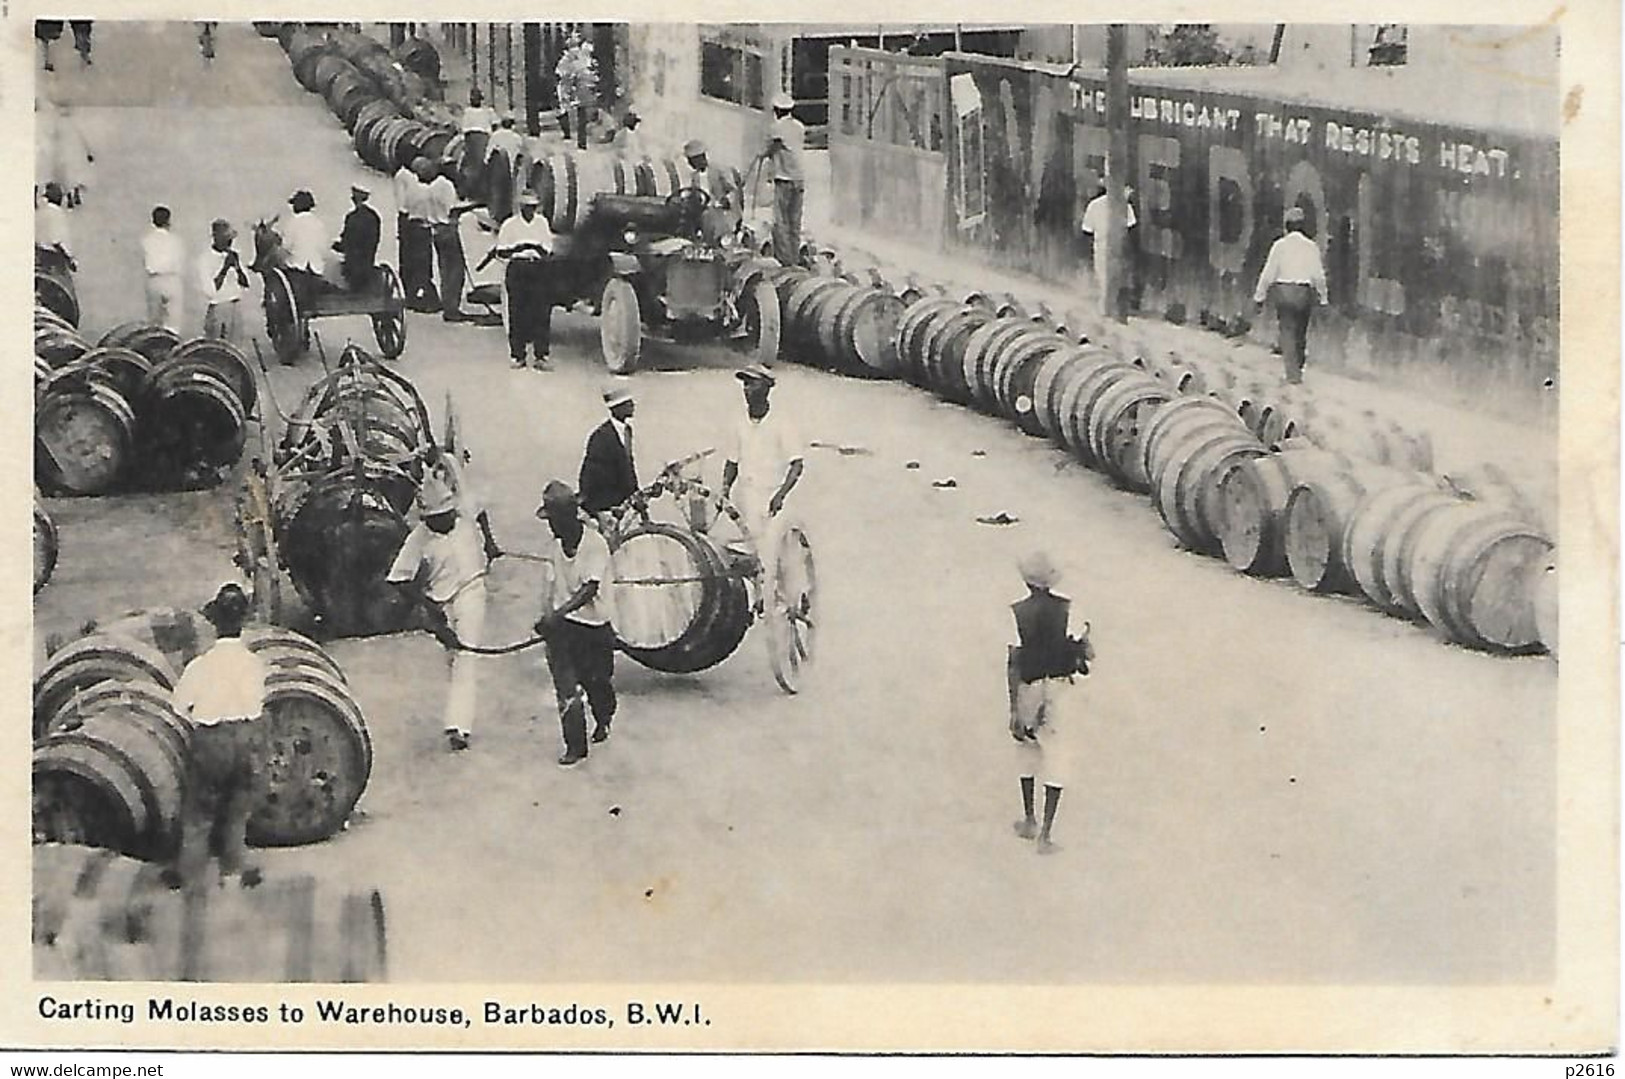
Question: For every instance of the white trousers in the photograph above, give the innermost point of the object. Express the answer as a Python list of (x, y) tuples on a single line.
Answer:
[(1055, 757), (466, 615), (164, 298)]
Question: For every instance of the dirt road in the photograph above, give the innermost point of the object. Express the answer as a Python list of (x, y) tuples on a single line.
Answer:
[(1279, 788)]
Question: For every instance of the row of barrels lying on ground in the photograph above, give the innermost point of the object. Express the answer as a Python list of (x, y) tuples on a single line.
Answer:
[(139, 408), (1467, 555), (390, 131), (110, 751)]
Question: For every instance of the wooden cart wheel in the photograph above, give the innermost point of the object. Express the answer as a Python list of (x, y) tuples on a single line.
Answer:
[(288, 332), (789, 609), (389, 325)]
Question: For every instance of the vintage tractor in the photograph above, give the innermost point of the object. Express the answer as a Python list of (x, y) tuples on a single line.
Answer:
[(669, 267)]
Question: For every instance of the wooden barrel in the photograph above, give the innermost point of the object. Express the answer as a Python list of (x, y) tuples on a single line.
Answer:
[(1059, 372), (693, 622), (1316, 522), (918, 321), (53, 285), (318, 750), (1077, 404), (1175, 419), (1543, 589), (1253, 500), (281, 647), (180, 634), (1470, 571), (153, 342), (1115, 419), (91, 660), (969, 384), (124, 369), (1015, 372), (944, 343), (225, 359), (110, 773), (338, 538), (1379, 520), (45, 547), (83, 435), (856, 329), (801, 317), (1185, 485), (101, 917), (193, 430)]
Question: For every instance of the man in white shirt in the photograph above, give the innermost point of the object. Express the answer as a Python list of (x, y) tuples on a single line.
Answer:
[(1097, 225), (786, 138), (721, 217), (164, 258), (417, 241), (506, 139), (307, 238), (524, 241), (476, 117), (1296, 275), (223, 283), (442, 207), (763, 466), (441, 565), (222, 694), (51, 225), (575, 623)]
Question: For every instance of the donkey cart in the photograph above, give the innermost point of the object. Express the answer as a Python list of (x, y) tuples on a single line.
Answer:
[(685, 597), (289, 310)]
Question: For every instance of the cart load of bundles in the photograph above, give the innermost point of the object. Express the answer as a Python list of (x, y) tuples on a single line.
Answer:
[(339, 491)]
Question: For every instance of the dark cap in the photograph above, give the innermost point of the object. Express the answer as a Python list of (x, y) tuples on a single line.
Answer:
[(229, 605)]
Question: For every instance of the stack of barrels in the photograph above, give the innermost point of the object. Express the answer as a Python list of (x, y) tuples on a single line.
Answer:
[(110, 751), (834, 323), (350, 463), (1275, 481), (138, 409), (46, 546), (53, 285)]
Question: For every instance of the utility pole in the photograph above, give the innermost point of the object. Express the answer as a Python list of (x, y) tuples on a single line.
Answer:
[(534, 85), (1116, 167)]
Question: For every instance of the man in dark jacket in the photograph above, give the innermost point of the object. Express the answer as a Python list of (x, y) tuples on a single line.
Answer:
[(1045, 659), (609, 474), (358, 242)]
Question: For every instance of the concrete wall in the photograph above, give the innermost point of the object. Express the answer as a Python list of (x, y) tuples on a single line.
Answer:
[(664, 82)]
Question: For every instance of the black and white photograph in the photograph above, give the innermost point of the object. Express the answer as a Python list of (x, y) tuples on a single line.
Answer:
[(532, 514)]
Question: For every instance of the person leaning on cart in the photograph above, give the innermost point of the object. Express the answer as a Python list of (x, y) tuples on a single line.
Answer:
[(525, 240), (222, 694), (576, 624)]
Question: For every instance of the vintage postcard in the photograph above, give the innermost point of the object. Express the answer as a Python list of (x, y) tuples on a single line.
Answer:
[(634, 534)]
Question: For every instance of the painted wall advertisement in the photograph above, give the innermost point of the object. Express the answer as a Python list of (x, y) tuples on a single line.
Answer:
[(1438, 241)]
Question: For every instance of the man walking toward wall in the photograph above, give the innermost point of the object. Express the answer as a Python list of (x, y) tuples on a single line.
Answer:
[(1297, 277), (785, 141), (1097, 226)]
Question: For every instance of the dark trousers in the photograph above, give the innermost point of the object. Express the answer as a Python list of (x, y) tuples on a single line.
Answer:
[(357, 275), (448, 250), (530, 308), (787, 198), (417, 265), (1294, 306), (223, 771), (577, 115), (582, 661)]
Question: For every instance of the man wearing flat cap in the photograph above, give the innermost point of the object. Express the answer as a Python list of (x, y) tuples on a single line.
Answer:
[(721, 218), (1044, 660), (1296, 276), (442, 568), (609, 474), (575, 623), (358, 242), (222, 694), (223, 284), (782, 152), (764, 464)]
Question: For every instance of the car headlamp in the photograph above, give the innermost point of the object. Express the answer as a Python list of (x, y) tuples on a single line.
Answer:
[(630, 236)]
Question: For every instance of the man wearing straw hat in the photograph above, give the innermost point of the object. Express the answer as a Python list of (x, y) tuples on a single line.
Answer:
[(442, 566), (609, 473), (222, 694), (223, 282), (721, 218), (1045, 659), (576, 623)]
